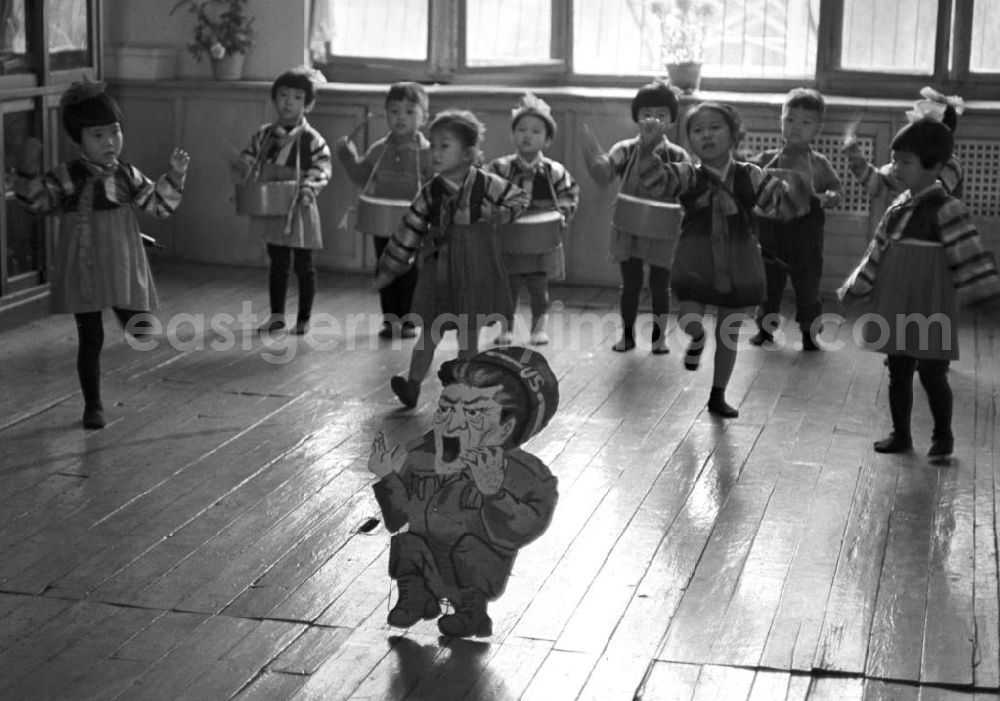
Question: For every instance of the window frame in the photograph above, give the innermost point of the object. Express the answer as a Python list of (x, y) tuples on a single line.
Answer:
[(447, 60)]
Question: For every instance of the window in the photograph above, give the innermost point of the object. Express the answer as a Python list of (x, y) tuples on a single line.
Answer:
[(507, 32), (838, 45)]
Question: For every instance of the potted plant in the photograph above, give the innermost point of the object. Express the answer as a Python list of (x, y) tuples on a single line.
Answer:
[(683, 29), (223, 32)]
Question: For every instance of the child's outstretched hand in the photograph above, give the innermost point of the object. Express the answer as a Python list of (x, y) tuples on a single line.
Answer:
[(179, 161), (651, 132), (306, 196), (381, 280), (384, 460)]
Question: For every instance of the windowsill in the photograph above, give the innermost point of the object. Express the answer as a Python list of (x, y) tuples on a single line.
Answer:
[(838, 102)]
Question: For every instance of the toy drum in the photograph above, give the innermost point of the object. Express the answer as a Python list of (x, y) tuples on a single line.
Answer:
[(266, 199), (647, 218), (537, 232), (378, 216)]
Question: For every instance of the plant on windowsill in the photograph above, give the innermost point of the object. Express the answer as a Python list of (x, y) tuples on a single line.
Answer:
[(683, 29), (223, 32)]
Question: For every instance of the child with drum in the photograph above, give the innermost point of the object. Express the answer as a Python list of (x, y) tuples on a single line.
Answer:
[(390, 173), (718, 260), (533, 250), (449, 233), (290, 150), (648, 239)]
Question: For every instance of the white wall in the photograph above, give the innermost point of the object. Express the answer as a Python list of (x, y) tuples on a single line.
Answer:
[(281, 31)]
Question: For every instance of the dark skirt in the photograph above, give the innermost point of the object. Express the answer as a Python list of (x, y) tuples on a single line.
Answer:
[(465, 275), (914, 307)]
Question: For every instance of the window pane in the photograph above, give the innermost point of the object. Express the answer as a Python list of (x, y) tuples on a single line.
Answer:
[(743, 38), (893, 36), (13, 38), (505, 32), (25, 247), (396, 29), (68, 33), (985, 28)]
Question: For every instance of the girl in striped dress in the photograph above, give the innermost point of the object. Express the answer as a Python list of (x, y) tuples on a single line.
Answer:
[(450, 234), (98, 260), (926, 257)]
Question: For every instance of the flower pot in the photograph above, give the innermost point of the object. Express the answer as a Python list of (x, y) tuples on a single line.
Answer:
[(685, 76), (229, 67)]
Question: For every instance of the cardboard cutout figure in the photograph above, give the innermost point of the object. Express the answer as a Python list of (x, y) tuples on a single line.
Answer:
[(471, 498)]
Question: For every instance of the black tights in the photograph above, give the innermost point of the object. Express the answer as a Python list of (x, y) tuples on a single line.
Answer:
[(659, 290), (90, 332), (305, 271), (934, 378)]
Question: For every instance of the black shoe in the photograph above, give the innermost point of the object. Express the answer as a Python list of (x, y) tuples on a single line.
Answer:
[(720, 407), (408, 391), (893, 443), (625, 343), (470, 618), (692, 356), (415, 603), (941, 447), (761, 337), (809, 343), (387, 330), (93, 415), (407, 330), (271, 325), (301, 327)]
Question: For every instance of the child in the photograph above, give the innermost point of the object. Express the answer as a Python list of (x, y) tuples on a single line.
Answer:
[(394, 167), (287, 149), (798, 242), (470, 496), (449, 235), (925, 255), (717, 260), (880, 181), (551, 187), (653, 101), (98, 260)]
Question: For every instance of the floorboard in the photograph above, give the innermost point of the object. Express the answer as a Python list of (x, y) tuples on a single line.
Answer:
[(219, 539)]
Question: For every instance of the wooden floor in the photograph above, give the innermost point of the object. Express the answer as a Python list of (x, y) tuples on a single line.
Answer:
[(217, 539)]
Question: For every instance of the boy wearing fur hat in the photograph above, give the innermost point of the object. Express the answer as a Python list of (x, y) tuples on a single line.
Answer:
[(469, 494), (656, 100), (552, 188), (98, 260), (290, 149)]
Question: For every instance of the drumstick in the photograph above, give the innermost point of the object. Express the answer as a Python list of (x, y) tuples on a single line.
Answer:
[(851, 130), (369, 116)]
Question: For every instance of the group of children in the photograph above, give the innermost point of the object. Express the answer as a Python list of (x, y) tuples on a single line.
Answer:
[(748, 226)]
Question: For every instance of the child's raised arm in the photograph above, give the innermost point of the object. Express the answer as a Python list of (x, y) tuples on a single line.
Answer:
[(594, 157)]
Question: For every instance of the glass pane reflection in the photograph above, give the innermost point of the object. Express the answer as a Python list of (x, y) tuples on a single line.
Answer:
[(25, 249)]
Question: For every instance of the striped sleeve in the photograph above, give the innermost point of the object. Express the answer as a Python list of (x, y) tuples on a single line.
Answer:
[(317, 175), (44, 193), (401, 252), (504, 201), (973, 267), (159, 199), (666, 180), (566, 188)]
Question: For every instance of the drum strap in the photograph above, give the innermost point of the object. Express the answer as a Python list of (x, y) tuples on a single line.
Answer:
[(378, 162)]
